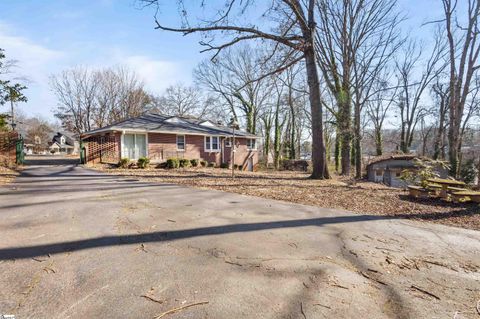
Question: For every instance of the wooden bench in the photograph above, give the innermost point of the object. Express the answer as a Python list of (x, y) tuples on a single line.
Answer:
[(417, 191), (465, 196), (435, 189)]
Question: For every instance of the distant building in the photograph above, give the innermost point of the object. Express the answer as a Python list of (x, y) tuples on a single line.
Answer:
[(387, 169), (63, 144)]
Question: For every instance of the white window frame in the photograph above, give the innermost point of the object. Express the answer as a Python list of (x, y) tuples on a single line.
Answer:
[(249, 147), (134, 133), (184, 143), (210, 149)]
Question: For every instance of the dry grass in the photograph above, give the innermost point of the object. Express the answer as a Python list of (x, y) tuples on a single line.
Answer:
[(7, 175), (363, 197)]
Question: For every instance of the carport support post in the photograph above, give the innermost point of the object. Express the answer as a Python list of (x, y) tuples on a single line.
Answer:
[(233, 124), (233, 154)]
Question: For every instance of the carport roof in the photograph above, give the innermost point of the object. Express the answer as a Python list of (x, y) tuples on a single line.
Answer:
[(156, 123)]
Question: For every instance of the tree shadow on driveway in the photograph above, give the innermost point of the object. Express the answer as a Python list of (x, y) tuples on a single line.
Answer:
[(166, 236)]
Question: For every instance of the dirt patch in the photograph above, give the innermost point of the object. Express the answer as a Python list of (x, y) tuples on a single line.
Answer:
[(363, 197), (7, 175)]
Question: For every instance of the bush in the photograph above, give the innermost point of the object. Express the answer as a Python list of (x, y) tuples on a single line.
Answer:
[(143, 162), (173, 163), (203, 163), (424, 170), (224, 165), (184, 162), (468, 172), (194, 162), (212, 164), (123, 162)]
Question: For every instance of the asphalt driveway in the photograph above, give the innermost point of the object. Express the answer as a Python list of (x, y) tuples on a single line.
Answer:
[(79, 244)]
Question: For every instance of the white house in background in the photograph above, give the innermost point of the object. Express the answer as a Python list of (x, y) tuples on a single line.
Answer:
[(63, 144)]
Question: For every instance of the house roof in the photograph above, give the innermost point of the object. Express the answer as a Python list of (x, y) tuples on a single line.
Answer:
[(388, 157), (157, 123), (68, 139)]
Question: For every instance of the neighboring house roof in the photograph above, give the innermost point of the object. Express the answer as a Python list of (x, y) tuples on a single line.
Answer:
[(58, 145), (157, 123), (388, 157), (57, 138)]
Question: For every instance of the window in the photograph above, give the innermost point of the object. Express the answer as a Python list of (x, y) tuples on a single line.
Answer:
[(252, 144), (134, 146), (212, 143), (180, 142)]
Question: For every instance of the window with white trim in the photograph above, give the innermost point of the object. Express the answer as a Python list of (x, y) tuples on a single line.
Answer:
[(212, 143), (251, 144), (181, 142)]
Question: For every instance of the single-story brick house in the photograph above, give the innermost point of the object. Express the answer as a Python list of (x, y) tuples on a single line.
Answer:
[(387, 169), (161, 137)]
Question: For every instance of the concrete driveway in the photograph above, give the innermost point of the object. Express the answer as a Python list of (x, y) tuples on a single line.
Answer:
[(78, 244)]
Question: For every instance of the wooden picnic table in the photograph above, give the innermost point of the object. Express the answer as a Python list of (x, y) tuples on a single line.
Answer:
[(466, 196), (445, 184)]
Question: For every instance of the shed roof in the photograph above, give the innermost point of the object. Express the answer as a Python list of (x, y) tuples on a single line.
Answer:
[(157, 123), (388, 157)]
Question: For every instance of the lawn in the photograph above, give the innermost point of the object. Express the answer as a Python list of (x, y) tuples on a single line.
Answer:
[(362, 197)]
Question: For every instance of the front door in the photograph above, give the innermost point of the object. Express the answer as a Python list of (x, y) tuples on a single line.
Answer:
[(250, 164)]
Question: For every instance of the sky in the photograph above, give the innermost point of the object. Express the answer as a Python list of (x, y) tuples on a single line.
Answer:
[(48, 36)]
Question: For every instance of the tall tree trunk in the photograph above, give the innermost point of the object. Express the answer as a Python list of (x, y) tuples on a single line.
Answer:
[(453, 138), (378, 142), (266, 145), (358, 141), (276, 140), (320, 169), (345, 131), (338, 143)]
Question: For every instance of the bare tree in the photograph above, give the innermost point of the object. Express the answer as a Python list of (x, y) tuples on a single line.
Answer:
[(236, 76), (90, 99), (378, 108), (464, 48), (181, 100), (355, 41), (290, 26), (411, 107), (440, 96)]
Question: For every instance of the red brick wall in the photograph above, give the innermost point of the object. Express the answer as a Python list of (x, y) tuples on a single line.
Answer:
[(103, 149), (164, 146), (242, 153)]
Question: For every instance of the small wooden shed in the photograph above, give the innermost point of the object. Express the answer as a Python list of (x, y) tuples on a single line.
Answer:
[(387, 169)]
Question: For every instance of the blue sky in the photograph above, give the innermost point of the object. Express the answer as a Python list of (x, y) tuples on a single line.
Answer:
[(48, 36)]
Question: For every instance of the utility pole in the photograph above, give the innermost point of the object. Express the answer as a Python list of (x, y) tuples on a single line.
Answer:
[(12, 115)]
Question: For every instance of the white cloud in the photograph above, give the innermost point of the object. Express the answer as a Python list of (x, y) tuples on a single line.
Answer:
[(35, 63), (157, 74)]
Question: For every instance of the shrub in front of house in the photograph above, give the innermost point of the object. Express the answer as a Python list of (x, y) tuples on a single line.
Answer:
[(194, 162), (184, 162), (224, 165), (143, 162), (173, 163), (203, 163), (123, 162), (212, 164)]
